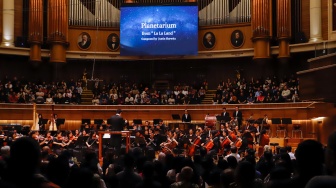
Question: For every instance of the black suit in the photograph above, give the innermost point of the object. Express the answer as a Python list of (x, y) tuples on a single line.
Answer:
[(239, 116), (114, 45), (186, 118), (117, 124), (226, 116)]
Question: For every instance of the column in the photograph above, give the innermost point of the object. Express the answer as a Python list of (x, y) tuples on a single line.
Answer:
[(315, 21), (8, 23)]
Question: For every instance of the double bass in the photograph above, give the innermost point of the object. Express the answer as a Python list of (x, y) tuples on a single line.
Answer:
[(264, 140)]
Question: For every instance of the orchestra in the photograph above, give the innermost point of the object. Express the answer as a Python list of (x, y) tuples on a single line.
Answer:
[(161, 138)]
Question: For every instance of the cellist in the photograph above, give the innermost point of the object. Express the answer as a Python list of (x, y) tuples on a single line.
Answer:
[(225, 143), (195, 143)]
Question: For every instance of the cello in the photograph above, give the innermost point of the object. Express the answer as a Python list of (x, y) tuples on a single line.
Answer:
[(192, 147)]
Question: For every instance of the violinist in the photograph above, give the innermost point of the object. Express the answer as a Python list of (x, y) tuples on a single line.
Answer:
[(47, 140), (16, 135), (84, 133), (92, 141), (58, 143), (69, 140), (77, 134), (151, 143)]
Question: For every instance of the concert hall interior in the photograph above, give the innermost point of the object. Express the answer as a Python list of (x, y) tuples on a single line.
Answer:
[(271, 60)]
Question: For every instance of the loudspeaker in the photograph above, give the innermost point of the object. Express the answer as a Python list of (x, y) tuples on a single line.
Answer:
[(300, 38), (20, 41)]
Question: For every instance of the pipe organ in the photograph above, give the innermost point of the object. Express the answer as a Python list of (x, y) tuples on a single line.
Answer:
[(216, 12)]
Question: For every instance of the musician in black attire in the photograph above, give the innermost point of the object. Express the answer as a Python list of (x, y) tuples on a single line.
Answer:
[(92, 141), (40, 122), (186, 118), (226, 115), (117, 124), (238, 115)]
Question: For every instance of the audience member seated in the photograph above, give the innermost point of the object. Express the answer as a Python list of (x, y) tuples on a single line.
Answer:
[(230, 91)]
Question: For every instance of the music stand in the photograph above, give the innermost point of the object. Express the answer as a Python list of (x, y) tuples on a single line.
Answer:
[(220, 119), (287, 121), (156, 121), (176, 117), (59, 122), (108, 121), (86, 121), (259, 121), (98, 121), (45, 121), (277, 122), (81, 141), (101, 125), (137, 121)]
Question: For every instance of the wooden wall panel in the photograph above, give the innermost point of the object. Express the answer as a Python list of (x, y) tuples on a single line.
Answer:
[(306, 18)]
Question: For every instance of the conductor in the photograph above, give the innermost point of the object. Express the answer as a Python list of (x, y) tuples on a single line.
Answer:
[(117, 124)]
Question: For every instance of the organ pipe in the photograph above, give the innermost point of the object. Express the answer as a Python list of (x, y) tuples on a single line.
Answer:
[(283, 27), (36, 21), (261, 17), (283, 18), (35, 37), (57, 29)]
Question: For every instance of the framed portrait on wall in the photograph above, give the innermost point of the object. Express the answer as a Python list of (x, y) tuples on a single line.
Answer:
[(237, 38), (113, 42), (209, 40), (84, 41)]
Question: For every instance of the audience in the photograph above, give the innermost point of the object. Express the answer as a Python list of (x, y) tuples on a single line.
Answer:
[(21, 166), (269, 90)]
